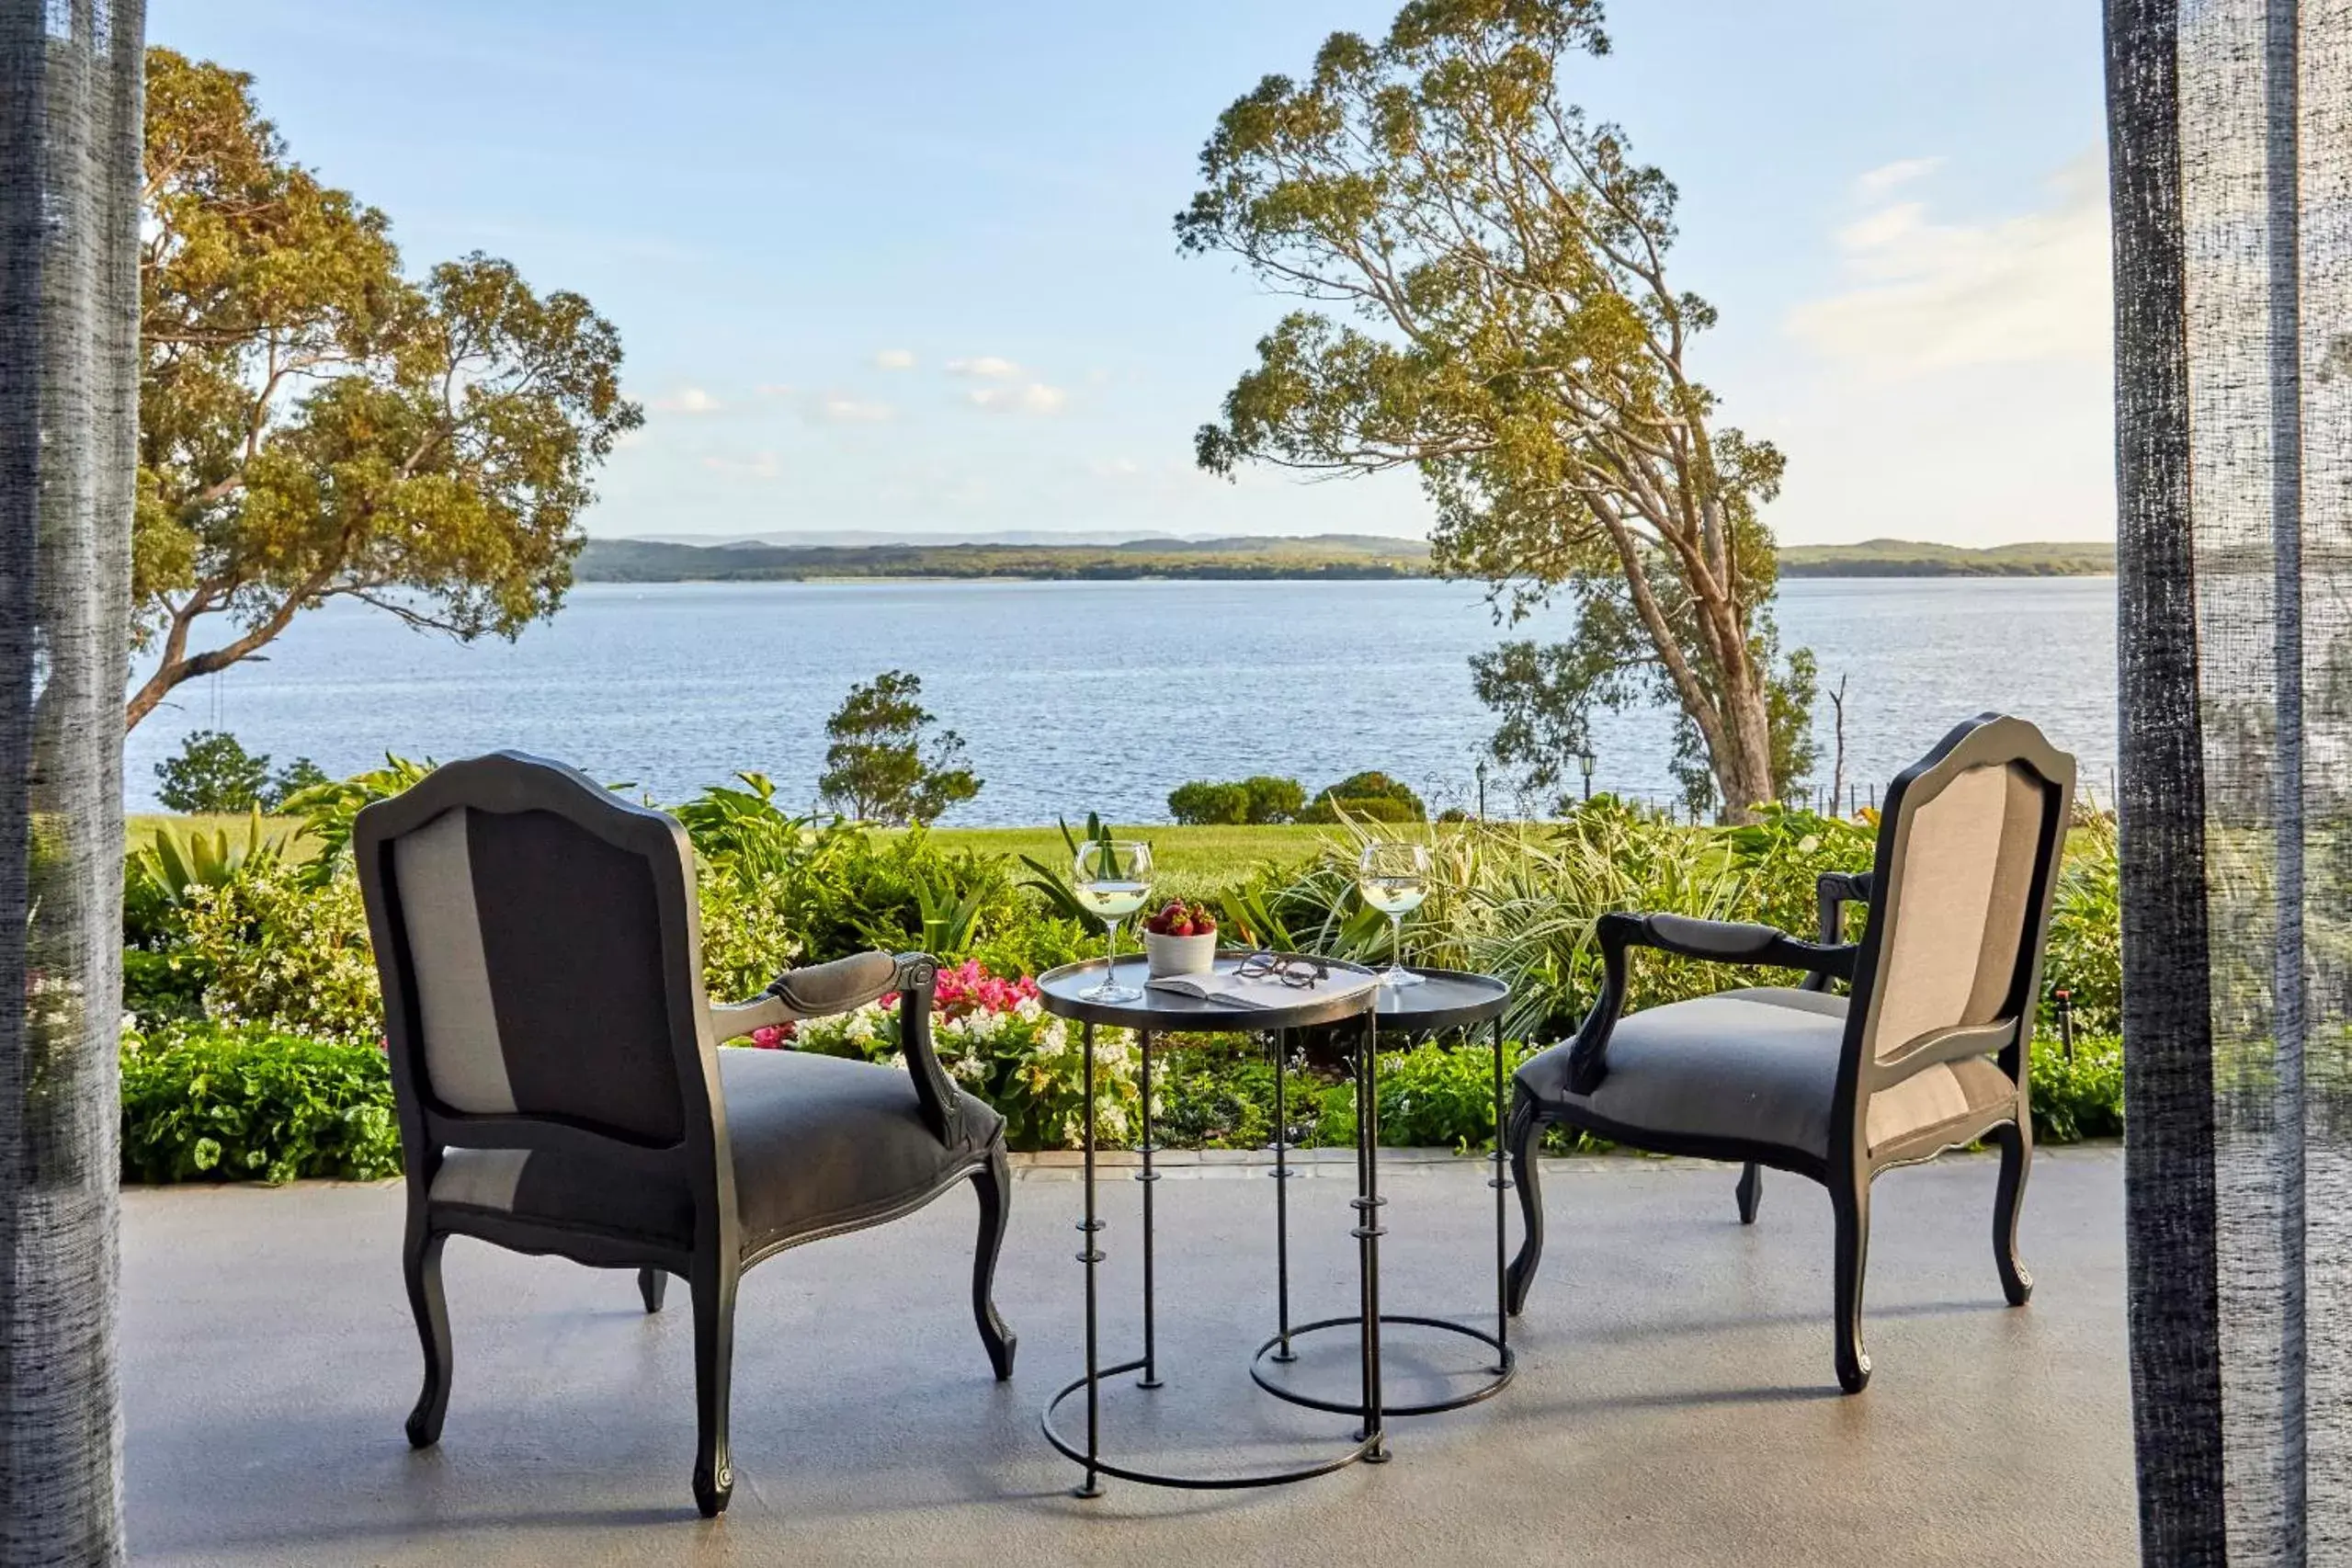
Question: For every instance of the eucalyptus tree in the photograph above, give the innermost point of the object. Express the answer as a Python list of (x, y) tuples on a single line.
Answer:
[(316, 424), (1489, 305)]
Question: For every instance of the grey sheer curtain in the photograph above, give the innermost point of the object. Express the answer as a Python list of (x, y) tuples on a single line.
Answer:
[(70, 96), (2231, 158)]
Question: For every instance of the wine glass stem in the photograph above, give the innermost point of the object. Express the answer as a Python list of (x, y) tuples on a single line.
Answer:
[(1396, 943), (1110, 952)]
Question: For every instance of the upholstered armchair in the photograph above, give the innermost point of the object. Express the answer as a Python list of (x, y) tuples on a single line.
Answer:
[(561, 1089), (1926, 1051)]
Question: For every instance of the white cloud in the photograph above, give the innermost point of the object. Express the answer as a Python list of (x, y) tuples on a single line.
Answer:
[(987, 366), (776, 388), (689, 400), (895, 360), (840, 408), (1876, 183), (1035, 397), (1924, 296), (762, 465)]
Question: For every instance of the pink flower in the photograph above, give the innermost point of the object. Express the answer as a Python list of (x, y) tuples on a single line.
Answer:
[(775, 1037)]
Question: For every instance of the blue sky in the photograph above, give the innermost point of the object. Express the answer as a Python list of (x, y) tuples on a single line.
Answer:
[(908, 267)]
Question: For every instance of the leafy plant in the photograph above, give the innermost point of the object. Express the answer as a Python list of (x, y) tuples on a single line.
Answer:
[(878, 767), (2085, 954), (2078, 1098), (328, 809), (1367, 797), (159, 874), (249, 1104), (211, 772), (281, 950)]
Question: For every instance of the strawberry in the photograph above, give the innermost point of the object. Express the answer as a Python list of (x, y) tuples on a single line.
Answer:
[(1179, 928)]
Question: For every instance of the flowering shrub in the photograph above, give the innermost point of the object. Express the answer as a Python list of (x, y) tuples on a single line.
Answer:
[(278, 951), (995, 1040)]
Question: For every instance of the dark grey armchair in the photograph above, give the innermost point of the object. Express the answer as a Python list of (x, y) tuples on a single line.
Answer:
[(560, 1087), (1927, 1052)]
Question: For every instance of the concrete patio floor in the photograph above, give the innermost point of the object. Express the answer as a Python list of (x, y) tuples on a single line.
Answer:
[(1675, 1402)]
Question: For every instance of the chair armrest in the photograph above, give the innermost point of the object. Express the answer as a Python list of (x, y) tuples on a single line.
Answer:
[(1717, 941), (815, 992), (1834, 891), (942, 1105)]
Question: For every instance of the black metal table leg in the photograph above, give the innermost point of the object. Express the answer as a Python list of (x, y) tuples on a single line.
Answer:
[(1282, 1199), (1369, 1231), (1092, 1257), (1501, 1183), (1149, 1177)]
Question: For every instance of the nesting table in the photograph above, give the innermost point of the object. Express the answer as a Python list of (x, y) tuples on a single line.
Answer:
[(1447, 999)]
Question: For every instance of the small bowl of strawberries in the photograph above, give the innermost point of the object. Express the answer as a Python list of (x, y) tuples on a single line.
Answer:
[(1180, 939)]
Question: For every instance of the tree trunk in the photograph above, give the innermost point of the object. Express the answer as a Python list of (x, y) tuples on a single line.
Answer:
[(71, 77), (1743, 764)]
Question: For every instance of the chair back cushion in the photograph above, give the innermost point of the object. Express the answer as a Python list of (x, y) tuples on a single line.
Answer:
[(531, 947), (1968, 864)]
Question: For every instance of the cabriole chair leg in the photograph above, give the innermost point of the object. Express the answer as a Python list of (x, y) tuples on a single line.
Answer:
[(714, 1354), (1851, 1203), (1750, 1192), (653, 1284), (995, 1186), (2016, 1164), (421, 1263), (1524, 1132)]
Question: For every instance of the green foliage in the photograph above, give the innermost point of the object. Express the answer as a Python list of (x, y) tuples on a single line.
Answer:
[(282, 950), (316, 424), (1367, 797), (248, 1103), (1441, 1094), (2085, 954), (158, 875), (211, 772), (1256, 802), (1488, 305), (2081, 1098), (877, 768)]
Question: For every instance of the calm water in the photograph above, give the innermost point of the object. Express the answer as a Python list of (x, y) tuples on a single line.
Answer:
[(1103, 696)]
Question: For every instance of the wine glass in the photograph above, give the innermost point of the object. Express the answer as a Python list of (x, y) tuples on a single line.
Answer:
[(1111, 877), (1394, 879)]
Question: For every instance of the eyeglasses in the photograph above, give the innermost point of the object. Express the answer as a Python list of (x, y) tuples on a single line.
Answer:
[(1300, 973)]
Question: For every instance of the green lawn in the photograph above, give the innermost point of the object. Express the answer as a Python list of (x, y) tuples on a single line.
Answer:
[(1188, 861)]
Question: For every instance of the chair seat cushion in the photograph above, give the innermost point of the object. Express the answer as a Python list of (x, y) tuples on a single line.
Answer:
[(819, 1144), (1757, 1065)]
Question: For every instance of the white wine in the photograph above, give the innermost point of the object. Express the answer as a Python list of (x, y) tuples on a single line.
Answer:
[(1116, 901), (1394, 896)]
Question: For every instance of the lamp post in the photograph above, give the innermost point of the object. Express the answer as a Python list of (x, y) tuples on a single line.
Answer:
[(1481, 772), (1585, 761)]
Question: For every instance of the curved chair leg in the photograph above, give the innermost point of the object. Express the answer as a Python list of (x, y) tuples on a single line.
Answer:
[(1850, 1201), (714, 1355), (994, 1184), (2016, 1164), (653, 1284), (421, 1262), (1750, 1192), (1524, 1132)]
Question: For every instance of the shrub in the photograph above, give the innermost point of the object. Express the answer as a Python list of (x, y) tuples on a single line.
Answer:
[(213, 772), (2081, 1098), (1203, 804), (158, 874), (1370, 797), (249, 1104), (2086, 953), (280, 951)]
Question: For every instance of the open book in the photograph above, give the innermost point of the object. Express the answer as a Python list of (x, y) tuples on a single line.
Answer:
[(1233, 990)]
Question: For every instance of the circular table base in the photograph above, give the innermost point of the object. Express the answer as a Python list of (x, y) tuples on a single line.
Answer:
[(1364, 1448), (1497, 1378)]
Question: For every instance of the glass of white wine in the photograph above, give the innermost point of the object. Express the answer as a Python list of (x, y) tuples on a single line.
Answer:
[(1394, 879), (1112, 877)]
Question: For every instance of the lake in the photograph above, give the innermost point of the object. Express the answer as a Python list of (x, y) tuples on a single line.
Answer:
[(1075, 696)]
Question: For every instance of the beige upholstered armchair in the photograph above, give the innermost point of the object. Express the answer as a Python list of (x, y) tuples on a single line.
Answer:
[(560, 1089), (1927, 1051)]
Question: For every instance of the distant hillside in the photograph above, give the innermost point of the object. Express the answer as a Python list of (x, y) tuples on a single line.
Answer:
[(1325, 556), (1908, 558)]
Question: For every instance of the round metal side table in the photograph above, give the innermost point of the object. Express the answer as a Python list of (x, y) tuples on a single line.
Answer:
[(1447, 999)]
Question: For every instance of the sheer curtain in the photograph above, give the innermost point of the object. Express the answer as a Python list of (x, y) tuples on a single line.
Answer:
[(70, 95), (2231, 158)]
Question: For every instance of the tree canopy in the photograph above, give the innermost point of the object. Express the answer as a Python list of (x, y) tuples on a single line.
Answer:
[(313, 424), (878, 768), (1489, 305)]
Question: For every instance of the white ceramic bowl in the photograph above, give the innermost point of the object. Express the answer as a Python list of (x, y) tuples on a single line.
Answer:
[(1179, 955)]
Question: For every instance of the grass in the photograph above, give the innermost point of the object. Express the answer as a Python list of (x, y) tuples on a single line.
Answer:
[(140, 828), (1187, 861)]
